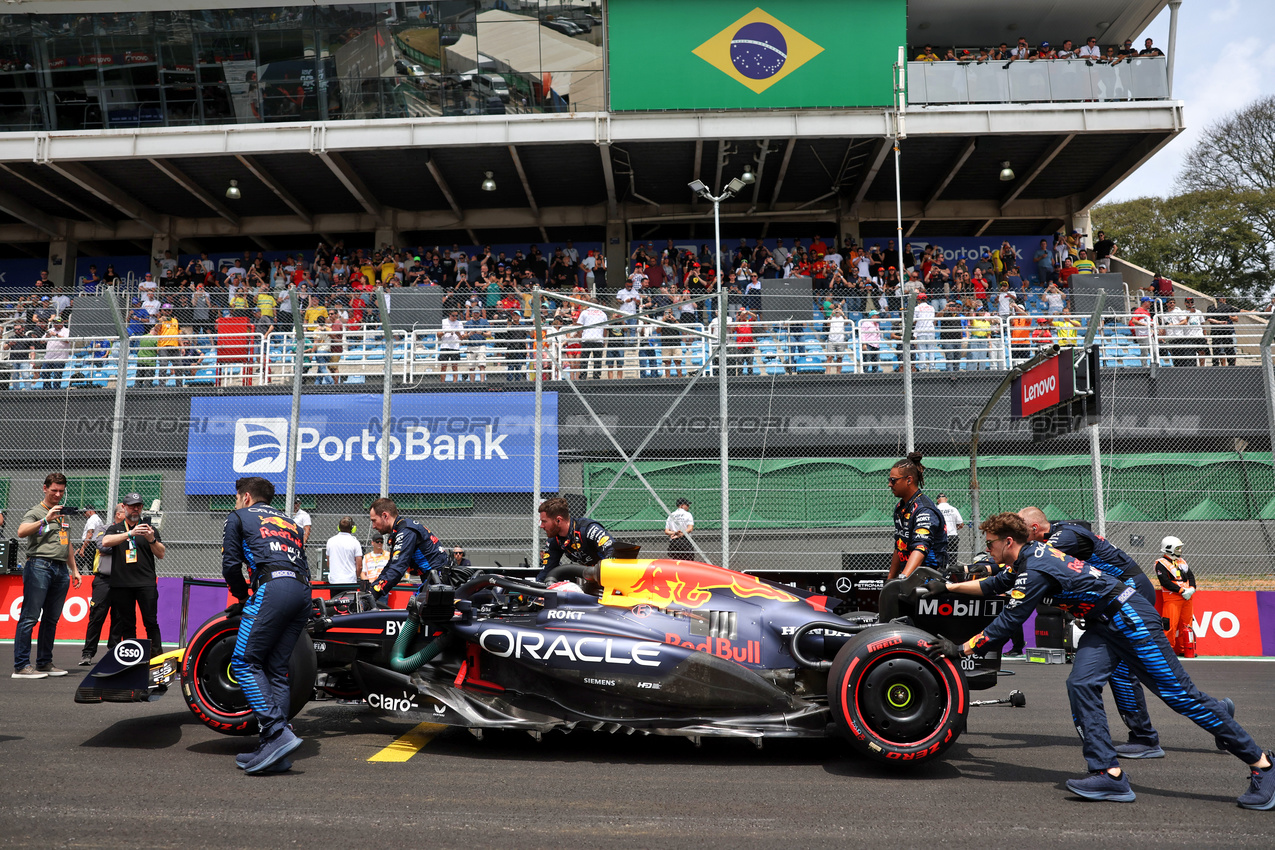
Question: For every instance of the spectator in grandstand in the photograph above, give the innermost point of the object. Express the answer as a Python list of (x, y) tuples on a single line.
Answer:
[(1193, 339), (1044, 259), (167, 345), (1006, 301), (592, 321), (745, 342), (1221, 320), (1066, 328), (1172, 332), (870, 341), (1042, 334), (1150, 49), (1020, 333), (980, 333), (478, 329), (515, 339), (1090, 50), (836, 337), (1142, 321), (1127, 51), (1055, 300), (1020, 51), (1084, 265), (1103, 250), (57, 349), (1066, 271), (16, 365)]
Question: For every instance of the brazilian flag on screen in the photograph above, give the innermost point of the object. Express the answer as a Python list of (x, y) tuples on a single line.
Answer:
[(772, 54)]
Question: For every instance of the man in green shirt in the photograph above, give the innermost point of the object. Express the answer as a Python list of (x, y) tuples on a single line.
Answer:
[(50, 571)]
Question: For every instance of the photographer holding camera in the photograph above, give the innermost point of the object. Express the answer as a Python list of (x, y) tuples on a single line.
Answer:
[(135, 545)]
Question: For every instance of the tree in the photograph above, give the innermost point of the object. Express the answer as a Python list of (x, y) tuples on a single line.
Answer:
[(1205, 240), (1237, 155)]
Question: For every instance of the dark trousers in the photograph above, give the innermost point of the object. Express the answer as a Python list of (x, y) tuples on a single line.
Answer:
[(680, 547), (44, 587), (99, 607), (1130, 699), (1224, 351), (124, 604), (272, 622), (1133, 636), (591, 352)]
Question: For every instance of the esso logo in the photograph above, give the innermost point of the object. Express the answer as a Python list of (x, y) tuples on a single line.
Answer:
[(129, 652)]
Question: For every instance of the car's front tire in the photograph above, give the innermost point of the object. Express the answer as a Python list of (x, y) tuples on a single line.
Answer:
[(209, 686), (893, 702)]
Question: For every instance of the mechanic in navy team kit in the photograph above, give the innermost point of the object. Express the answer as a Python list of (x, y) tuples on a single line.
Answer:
[(271, 544), (920, 531), (582, 540), (413, 548), (1120, 625), (1074, 539)]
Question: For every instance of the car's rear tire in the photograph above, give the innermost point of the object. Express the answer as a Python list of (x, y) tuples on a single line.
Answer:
[(893, 702), (209, 686)]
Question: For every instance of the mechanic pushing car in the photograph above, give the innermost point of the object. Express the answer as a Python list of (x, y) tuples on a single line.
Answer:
[(582, 540), (1120, 625), (270, 544), (1074, 539), (413, 548), (920, 531)]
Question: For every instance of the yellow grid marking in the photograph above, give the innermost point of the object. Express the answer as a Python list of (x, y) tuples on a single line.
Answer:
[(409, 744)]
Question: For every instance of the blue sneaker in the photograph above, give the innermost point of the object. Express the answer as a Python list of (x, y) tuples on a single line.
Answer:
[(1136, 750), (1261, 790), (1230, 709), (244, 759), (274, 751), (1104, 786)]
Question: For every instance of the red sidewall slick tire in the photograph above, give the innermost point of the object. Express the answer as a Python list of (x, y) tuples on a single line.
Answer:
[(211, 690), (891, 701)]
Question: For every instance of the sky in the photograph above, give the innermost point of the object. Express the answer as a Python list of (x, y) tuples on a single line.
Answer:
[(1222, 65)]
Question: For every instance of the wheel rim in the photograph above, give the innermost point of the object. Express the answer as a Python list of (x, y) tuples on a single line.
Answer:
[(216, 681), (902, 698)]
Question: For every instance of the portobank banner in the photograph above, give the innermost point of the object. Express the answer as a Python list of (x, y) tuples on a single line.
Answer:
[(438, 443)]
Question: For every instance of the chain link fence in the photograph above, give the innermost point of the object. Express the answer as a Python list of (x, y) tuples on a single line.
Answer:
[(815, 407)]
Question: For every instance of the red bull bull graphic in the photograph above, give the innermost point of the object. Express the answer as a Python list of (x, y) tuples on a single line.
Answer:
[(279, 522), (665, 581)]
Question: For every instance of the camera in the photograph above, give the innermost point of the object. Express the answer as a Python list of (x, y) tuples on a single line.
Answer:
[(67, 511), (146, 520)]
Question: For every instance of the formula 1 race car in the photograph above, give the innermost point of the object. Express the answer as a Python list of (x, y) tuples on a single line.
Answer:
[(655, 646)]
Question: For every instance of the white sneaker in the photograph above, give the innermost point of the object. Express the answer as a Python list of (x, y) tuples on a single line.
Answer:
[(29, 672)]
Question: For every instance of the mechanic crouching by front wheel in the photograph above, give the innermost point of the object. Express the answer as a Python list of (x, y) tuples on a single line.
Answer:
[(1120, 625), (272, 547), (582, 540), (413, 548)]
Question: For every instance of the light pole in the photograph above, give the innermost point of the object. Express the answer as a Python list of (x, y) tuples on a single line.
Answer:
[(734, 187)]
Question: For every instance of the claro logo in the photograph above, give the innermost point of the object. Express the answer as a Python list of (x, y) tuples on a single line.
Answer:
[(261, 445)]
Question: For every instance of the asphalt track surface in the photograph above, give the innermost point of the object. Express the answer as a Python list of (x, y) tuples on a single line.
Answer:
[(149, 775)]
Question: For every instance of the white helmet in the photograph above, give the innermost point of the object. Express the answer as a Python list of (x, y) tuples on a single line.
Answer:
[(1171, 546)]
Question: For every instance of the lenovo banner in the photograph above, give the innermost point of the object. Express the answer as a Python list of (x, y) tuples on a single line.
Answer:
[(1044, 386), (438, 443)]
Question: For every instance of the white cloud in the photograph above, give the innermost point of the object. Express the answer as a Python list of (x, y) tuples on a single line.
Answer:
[(1228, 13)]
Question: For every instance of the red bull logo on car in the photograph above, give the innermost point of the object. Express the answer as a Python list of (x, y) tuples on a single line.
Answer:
[(665, 581)]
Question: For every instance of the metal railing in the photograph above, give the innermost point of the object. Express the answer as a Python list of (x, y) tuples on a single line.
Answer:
[(1042, 81), (496, 352)]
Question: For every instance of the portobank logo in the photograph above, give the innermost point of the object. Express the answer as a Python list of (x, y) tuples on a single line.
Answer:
[(261, 445), (758, 50)]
